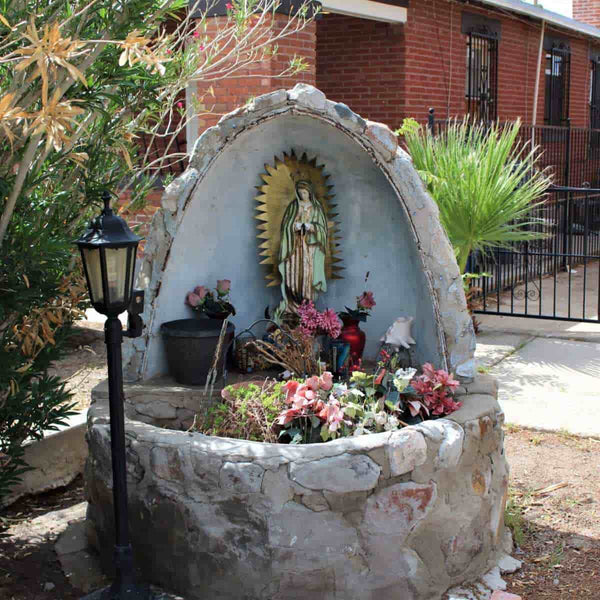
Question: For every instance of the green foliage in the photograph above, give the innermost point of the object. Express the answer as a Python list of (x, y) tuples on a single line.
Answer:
[(514, 517), (484, 182), (247, 411), (38, 304)]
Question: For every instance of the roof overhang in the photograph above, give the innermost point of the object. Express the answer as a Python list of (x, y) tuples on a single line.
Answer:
[(366, 9), (539, 12)]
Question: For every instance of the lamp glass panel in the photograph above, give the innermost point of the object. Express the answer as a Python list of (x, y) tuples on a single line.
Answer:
[(116, 274), (94, 270)]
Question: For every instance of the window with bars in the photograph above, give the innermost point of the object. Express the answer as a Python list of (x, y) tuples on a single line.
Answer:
[(595, 94), (558, 75), (481, 85)]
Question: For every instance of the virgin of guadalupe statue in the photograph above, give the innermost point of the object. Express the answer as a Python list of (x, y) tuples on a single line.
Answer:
[(303, 247)]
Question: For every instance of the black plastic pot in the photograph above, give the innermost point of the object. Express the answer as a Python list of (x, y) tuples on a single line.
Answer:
[(191, 346)]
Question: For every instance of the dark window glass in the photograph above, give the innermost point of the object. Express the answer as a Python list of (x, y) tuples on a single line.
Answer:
[(558, 74)]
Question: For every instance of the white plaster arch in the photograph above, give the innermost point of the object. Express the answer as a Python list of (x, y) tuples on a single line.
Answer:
[(276, 114)]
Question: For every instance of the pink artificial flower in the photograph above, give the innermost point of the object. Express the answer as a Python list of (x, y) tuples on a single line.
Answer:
[(196, 34), (290, 388), (201, 47), (223, 286), (415, 407), (380, 376), (326, 381), (193, 300), (200, 291), (287, 416), (333, 414), (179, 105), (330, 323), (313, 383), (366, 301), (447, 379), (429, 371), (169, 51), (229, 6)]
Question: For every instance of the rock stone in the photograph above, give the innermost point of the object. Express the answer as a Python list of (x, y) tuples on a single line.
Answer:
[(451, 448), (493, 580), (157, 410), (307, 95), (398, 508), (241, 477), (315, 502), (267, 101), (276, 486), (501, 595), (406, 450), (383, 139), (166, 462), (508, 564), (345, 473), (347, 117)]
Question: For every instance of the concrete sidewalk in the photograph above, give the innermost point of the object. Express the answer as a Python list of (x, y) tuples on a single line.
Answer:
[(548, 371)]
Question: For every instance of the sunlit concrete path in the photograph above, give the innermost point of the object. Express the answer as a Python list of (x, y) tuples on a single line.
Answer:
[(548, 371)]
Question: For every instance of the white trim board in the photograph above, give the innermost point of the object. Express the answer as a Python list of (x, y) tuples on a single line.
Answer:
[(366, 9)]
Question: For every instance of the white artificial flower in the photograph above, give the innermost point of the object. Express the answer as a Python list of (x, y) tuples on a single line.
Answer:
[(381, 418), (393, 422), (405, 373)]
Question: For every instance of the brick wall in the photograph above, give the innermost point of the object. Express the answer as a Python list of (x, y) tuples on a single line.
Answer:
[(386, 72), (259, 78), (587, 11)]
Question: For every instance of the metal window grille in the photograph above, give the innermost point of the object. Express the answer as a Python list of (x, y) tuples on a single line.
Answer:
[(595, 95), (482, 76), (558, 76), (594, 110)]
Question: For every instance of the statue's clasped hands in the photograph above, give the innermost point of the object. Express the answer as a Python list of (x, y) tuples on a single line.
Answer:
[(304, 227)]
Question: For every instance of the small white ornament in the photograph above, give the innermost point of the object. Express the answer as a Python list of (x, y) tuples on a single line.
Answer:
[(399, 333)]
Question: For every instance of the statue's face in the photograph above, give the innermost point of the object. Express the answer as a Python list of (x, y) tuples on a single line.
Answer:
[(304, 194)]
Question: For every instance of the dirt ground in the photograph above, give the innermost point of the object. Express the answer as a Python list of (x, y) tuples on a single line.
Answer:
[(29, 568), (554, 510), (85, 365)]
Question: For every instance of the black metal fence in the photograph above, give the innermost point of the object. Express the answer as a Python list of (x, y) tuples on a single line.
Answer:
[(554, 277)]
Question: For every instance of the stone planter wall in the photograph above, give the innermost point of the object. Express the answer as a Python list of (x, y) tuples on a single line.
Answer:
[(405, 515)]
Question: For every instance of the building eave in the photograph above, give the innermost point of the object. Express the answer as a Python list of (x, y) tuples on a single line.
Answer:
[(538, 12)]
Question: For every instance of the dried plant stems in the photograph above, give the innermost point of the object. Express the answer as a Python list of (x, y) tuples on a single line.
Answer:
[(290, 349)]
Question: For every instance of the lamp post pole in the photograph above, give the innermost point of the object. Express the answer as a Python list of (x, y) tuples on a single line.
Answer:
[(113, 337), (108, 250)]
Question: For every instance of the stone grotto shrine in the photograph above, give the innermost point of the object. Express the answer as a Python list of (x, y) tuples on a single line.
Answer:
[(403, 515)]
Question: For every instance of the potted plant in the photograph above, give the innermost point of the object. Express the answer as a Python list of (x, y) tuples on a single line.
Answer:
[(215, 303), (191, 344), (351, 332)]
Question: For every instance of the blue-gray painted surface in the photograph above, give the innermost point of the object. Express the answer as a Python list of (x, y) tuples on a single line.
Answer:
[(217, 237)]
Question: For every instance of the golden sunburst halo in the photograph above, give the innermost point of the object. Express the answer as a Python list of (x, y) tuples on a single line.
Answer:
[(275, 193)]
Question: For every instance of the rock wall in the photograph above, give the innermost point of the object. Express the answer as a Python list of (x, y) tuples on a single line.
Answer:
[(406, 514), (390, 227)]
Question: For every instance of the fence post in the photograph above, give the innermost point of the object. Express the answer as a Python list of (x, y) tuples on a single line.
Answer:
[(431, 120), (568, 155)]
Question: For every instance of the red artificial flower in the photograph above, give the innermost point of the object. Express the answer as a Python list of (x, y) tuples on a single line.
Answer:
[(366, 300)]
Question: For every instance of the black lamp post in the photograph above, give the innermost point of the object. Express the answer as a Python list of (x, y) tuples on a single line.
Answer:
[(108, 251)]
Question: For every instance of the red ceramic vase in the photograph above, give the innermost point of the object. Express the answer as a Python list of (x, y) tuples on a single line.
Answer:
[(352, 334)]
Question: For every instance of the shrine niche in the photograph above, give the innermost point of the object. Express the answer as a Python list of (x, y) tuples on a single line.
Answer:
[(366, 211), (298, 237)]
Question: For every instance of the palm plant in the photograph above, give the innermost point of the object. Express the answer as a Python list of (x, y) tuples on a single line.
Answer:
[(484, 182)]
